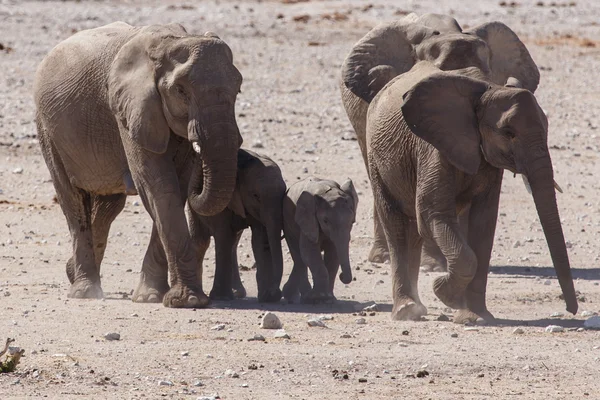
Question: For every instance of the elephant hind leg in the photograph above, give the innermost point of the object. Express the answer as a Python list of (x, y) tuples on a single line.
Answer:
[(239, 291), (379, 252), (76, 205)]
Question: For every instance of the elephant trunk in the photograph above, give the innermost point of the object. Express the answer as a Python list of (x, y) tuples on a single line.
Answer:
[(541, 180), (214, 176), (342, 246)]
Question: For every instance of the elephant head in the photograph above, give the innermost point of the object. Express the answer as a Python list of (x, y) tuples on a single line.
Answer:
[(467, 119), (391, 49), (166, 81), (331, 211), (259, 196)]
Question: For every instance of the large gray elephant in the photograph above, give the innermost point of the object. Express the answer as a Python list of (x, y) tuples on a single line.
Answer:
[(439, 142), (257, 202), (123, 109), (391, 49)]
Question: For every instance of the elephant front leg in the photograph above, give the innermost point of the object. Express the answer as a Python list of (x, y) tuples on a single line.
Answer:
[(154, 277), (225, 241), (268, 285), (482, 227), (239, 291), (158, 186), (332, 262), (297, 284), (311, 256)]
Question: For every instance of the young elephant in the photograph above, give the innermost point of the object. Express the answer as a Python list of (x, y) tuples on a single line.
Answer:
[(317, 217), (256, 203)]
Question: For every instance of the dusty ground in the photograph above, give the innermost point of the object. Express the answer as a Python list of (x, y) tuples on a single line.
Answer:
[(291, 103)]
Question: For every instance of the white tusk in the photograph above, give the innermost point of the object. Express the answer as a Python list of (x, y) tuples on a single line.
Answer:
[(526, 182), (558, 188), (196, 147)]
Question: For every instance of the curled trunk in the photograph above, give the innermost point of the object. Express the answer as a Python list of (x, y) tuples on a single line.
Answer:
[(544, 196)]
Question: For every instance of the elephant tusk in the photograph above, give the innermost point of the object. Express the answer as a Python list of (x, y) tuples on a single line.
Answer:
[(558, 188), (196, 147)]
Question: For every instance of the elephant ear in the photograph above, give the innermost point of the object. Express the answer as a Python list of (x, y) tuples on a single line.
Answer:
[(348, 188), (134, 98), (382, 54), (441, 109), (508, 55), (306, 216)]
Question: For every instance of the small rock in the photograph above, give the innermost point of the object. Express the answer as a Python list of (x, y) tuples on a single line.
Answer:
[(518, 331), (592, 323), (281, 334), (231, 374), (258, 144), (580, 330), (588, 314), (185, 353), (316, 322), (257, 338), (547, 282), (213, 397), (244, 385), (554, 328), (360, 321), (405, 333), (112, 336), (372, 307), (516, 244), (330, 342), (325, 317), (443, 317), (557, 314), (165, 383), (471, 329), (219, 327), (346, 336), (271, 321), (454, 335), (135, 203), (134, 315), (198, 384), (17, 170), (362, 380)]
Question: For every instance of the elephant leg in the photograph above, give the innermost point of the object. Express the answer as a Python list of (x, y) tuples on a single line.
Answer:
[(379, 252), (482, 227), (154, 277), (76, 205), (398, 233), (200, 234), (297, 284), (311, 255), (332, 263), (225, 239), (267, 282), (432, 258), (239, 291)]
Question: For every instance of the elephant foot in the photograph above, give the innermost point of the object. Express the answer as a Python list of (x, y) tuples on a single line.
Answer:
[(272, 295), (239, 292), (85, 289), (291, 293), (316, 297), (71, 270), (407, 309), (379, 254), (221, 293), (464, 316), (149, 292), (180, 296), (449, 292)]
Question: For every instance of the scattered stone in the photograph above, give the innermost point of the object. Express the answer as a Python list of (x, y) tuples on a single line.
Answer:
[(316, 322), (360, 321), (443, 317), (231, 374), (547, 282), (198, 384), (454, 335), (281, 334), (257, 338), (518, 331), (219, 327), (134, 315), (405, 333), (580, 330), (372, 307), (516, 244), (346, 336), (362, 380), (185, 353), (325, 317), (165, 383), (244, 385), (471, 329), (592, 323), (212, 397), (258, 144), (557, 314), (330, 342), (422, 374), (588, 313), (271, 321), (112, 336), (554, 329), (17, 170)]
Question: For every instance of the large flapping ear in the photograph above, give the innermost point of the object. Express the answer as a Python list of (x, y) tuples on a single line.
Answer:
[(306, 216), (133, 96), (383, 53), (236, 204), (440, 109), (508, 55), (348, 188)]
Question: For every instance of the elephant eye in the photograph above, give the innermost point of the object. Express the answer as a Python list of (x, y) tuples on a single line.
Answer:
[(180, 91), (326, 220), (508, 133)]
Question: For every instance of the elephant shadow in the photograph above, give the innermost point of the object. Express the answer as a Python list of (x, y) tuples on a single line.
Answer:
[(340, 306), (578, 273)]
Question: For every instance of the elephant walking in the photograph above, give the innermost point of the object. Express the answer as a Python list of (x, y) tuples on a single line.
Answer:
[(123, 109)]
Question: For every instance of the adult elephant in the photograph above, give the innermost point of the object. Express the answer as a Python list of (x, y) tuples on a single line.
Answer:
[(119, 109), (438, 142), (392, 49)]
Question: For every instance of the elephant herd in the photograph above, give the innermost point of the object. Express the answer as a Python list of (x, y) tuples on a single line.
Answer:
[(439, 113)]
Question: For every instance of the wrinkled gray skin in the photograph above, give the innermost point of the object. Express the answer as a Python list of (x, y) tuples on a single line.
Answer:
[(438, 142), (318, 216), (257, 203), (119, 110), (392, 49)]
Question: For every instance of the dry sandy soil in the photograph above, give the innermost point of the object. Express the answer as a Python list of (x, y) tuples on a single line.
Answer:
[(291, 103)]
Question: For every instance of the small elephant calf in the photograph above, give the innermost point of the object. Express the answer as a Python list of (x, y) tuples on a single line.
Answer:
[(318, 216), (256, 203)]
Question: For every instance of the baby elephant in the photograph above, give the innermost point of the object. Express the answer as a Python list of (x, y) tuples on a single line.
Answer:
[(317, 217), (256, 203)]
